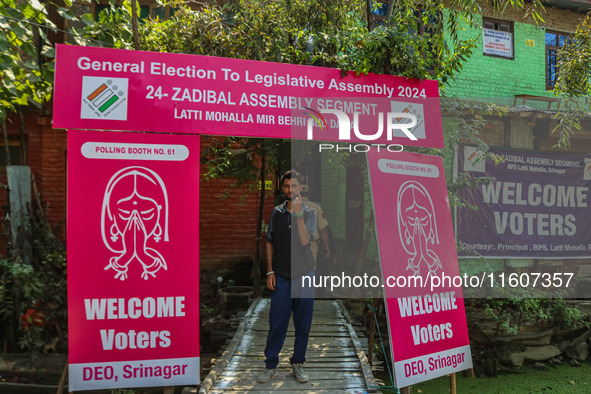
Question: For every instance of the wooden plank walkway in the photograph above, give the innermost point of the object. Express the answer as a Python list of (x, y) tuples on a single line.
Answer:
[(335, 360)]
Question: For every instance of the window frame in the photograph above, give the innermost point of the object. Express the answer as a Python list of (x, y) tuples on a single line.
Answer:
[(17, 151), (422, 28), (556, 48), (98, 5), (377, 19)]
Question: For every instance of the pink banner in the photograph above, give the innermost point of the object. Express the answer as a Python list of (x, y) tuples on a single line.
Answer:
[(425, 307), (113, 89), (133, 259)]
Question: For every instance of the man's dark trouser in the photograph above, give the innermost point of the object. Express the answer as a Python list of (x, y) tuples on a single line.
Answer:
[(282, 304)]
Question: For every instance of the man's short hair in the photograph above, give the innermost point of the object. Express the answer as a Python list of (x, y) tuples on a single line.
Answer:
[(291, 174)]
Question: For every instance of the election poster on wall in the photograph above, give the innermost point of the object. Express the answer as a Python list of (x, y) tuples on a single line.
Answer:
[(113, 89), (133, 259), (535, 205), (497, 43), (427, 320)]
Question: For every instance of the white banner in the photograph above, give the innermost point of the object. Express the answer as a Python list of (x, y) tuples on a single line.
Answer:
[(141, 373), (430, 366), (497, 43)]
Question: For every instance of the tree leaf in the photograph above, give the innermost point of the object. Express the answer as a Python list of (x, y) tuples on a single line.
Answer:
[(88, 19), (66, 13)]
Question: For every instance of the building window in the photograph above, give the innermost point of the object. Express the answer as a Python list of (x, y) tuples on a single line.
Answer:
[(429, 25), (15, 151), (379, 9), (428, 22), (148, 11), (154, 11), (497, 38), (554, 41)]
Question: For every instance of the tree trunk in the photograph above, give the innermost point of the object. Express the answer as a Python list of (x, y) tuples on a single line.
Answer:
[(136, 36), (62, 382), (6, 146), (256, 265), (368, 14), (23, 150), (390, 10)]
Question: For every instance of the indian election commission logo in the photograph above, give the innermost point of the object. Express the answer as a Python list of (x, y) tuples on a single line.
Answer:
[(587, 170), (407, 110), (474, 160), (104, 98)]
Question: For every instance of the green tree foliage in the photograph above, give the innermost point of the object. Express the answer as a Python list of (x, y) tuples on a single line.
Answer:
[(574, 65), (33, 296), (575, 62), (26, 56), (37, 286), (329, 34), (326, 34), (110, 28), (520, 309)]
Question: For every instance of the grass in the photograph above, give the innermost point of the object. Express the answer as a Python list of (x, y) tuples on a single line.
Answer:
[(563, 379)]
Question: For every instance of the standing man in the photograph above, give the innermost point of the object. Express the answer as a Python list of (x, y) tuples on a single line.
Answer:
[(291, 228)]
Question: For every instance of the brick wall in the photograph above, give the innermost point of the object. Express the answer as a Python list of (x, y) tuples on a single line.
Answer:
[(490, 76), (228, 221), (51, 178), (554, 18), (46, 156)]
